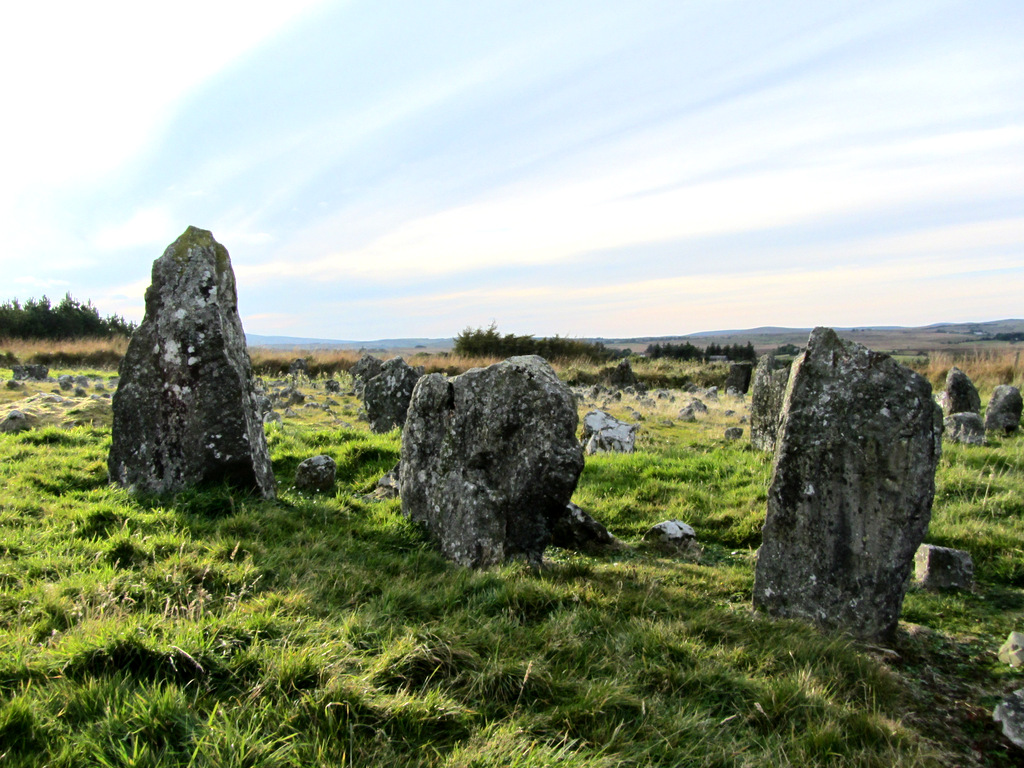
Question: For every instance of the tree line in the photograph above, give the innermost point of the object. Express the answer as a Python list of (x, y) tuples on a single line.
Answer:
[(688, 351), (488, 342), (68, 319)]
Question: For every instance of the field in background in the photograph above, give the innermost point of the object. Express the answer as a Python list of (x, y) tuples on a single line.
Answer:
[(212, 628)]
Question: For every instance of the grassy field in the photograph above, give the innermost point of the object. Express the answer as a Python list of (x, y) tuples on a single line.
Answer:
[(216, 629)]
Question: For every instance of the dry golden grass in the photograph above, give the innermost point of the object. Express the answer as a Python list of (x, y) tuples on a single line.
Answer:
[(986, 368), (93, 353)]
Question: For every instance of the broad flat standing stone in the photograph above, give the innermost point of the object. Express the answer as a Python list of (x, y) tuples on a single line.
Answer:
[(386, 395), (490, 460), (851, 491), (185, 411), (1004, 410)]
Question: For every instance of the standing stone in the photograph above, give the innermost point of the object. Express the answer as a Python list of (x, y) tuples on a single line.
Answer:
[(490, 459), (622, 375), (1010, 714), (960, 394), (851, 491), (767, 393), (365, 369), (185, 411), (1004, 410), (386, 396), (739, 378), (966, 428)]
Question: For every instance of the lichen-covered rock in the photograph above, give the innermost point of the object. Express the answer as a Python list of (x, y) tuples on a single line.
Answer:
[(673, 536), (943, 568), (365, 369), (16, 421), (316, 474), (1012, 651), (1004, 410), (1010, 713), (30, 372), (386, 396), (733, 433), (622, 375), (738, 379), (185, 411), (966, 428), (603, 433), (768, 390), (490, 459), (851, 491), (959, 395)]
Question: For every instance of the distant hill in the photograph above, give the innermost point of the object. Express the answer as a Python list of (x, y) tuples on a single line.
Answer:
[(288, 342), (951, 337)]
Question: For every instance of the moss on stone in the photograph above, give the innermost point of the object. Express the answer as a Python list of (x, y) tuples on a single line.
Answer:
[(193, 237)]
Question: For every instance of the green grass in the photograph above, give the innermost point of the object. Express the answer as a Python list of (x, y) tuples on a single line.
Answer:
[(217, 629)]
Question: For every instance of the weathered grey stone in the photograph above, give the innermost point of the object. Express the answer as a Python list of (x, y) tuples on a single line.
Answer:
[(388, 487), (66, 381), (332, 385), (734, 433), (30, 372), (386, 396), (1010, 712), (365, 369), (698, 406), (299, 367), (959, 395), (16, 421), (490, 459), (316, 474), (767, 393), (966, 427), (185, 411), (942, 568), (673, 536), (577, 530), (604, 433), (14, 384), (851, 491), (711, 393), (622, 375), (1004, 410), (739, 378), (1012, 651), (687, 414)]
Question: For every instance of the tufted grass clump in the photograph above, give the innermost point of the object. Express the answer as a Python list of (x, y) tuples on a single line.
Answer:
[(217, 628)]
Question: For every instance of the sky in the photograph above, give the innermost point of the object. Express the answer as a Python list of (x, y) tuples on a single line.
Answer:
[(394, 168)]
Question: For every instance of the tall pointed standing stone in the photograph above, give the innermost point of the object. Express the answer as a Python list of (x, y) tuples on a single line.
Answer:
[(185, 409), (851, 491)]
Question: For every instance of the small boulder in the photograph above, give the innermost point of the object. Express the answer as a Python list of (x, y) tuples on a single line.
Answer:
[(16, 421), (673, 536), (577, 530), (698, 406), (604, 433), (966, 428), (734, 433), (1010, 713), (299, 367), (332, 386), (942, 568), (622, 375), (316, 474), (30, 372), (1004, 410), (687, 414), (1012, 651), (960, 394)]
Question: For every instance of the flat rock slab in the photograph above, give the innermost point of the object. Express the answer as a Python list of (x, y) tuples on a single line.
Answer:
[(851, 490), (943, 568), (490, 460)]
